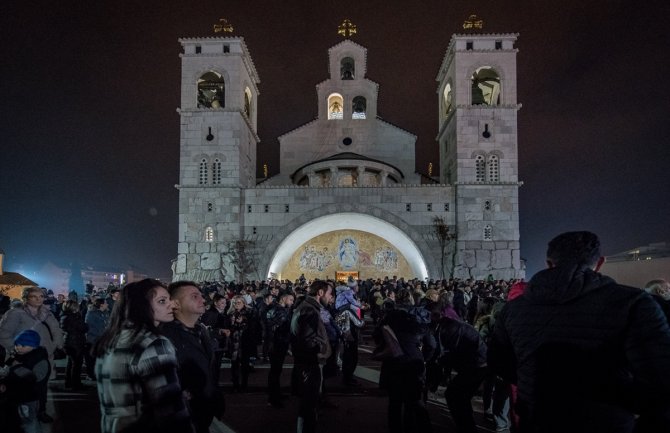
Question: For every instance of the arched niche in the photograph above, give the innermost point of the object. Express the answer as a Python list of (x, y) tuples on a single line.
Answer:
[(211, 90), (335, 106), (485, 86)]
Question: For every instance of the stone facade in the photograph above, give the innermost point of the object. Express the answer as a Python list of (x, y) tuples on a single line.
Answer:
[(348, 169)]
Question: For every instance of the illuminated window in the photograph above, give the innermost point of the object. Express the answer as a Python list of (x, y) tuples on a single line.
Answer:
[(485, 86), (247, 102), (488, 233), (359, 105), (448, 98), (347, 68), (480, 169), (209, 234), (494, 168), (211, 90), (335, 106), (202, 179)]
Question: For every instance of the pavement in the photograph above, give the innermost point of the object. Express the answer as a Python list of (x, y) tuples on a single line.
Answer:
[(361, 409)]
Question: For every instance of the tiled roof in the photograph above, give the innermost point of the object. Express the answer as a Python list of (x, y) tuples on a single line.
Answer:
[(15, 279)]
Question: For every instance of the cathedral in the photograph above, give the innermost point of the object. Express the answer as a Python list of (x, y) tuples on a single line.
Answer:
[(347, 200)]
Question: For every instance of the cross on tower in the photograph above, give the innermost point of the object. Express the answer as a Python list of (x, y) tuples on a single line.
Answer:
[(473, 22), (346, 29), (224, 26)]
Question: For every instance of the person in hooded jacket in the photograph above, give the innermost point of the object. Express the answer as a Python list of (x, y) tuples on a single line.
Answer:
[(404, 377), (587, 354), (350, 320), (74, 330)]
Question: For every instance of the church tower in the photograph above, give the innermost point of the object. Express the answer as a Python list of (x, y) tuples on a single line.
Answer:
[(219, 105), (478, 151)]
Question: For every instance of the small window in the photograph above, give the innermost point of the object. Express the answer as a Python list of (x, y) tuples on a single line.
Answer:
[(209, 234), (202, 178), (248, 208), (216, 172), (429, 207), (480, 169), (446, 207), (408, 207), (487, 205), (347, 68), (198, 49), (287, 209), (498, 45), (254, 231), (494, 168), (485, 86), (226, 48), (468, 45), (359, 106), (335, 106), (210, 207), (488, 233), (266, 208)]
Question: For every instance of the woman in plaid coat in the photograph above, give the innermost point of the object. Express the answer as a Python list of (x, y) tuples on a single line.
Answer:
[(136, 367)]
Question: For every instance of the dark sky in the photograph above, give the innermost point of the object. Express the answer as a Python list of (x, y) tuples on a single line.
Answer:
[(89, 135)]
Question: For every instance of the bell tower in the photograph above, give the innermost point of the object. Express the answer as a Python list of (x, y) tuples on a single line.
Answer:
[(218, 139), (478, 150)]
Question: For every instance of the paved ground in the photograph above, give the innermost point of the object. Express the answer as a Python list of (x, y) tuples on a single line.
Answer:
[(359, 409)]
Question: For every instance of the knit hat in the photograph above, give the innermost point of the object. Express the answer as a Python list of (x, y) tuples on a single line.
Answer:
[(27, 338)]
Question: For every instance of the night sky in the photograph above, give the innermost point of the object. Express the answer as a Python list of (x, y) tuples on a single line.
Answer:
[(89, 133)]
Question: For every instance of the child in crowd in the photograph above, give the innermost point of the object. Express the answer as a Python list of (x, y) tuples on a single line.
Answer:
[(28, 371)]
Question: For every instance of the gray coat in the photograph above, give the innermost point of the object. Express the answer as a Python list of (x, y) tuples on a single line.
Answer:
[(20, 319)]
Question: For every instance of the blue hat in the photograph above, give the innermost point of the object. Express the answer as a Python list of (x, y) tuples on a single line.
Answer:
[(27, 338)]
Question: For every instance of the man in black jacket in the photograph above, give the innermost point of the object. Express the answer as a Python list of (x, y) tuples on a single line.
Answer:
[(278, 321), (195, 353), (586, 353), (310, 347)]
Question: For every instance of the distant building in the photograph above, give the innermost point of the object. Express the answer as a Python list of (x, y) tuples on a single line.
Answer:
[(57, 277), (12, 283), (640, 265)]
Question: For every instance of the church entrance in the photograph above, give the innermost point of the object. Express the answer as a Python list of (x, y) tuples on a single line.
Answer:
[(343, 244)]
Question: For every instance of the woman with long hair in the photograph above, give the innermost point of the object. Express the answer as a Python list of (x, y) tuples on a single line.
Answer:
[(136, 367)]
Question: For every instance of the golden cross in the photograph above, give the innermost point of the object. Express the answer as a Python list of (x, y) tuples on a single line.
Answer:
[(224, 26), (473, 22), (346, 29)]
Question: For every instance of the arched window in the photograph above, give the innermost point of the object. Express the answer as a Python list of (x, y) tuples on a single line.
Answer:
[(247, 102), (216, 172), (209, 234), (335, 106), (488, 233), (494, 168), (448, 98), (485, 86), (359, 106), (480, 169), (202, 175), (211, 90), (347, 68)]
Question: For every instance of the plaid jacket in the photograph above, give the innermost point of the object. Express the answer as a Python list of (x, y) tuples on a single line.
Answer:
[(138, 386)]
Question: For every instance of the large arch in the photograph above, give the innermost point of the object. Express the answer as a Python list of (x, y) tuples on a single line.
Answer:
[(348, 220)]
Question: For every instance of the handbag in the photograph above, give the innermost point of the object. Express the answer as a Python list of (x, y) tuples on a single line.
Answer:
[(389, 347)]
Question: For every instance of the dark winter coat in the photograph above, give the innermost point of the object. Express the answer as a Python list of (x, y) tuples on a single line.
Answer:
[(74, 331), (462, 348), (585, 352), (411, 326), (309, 339), (97, 324)]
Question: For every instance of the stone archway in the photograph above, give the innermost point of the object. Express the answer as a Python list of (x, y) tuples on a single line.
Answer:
[(348, 216)]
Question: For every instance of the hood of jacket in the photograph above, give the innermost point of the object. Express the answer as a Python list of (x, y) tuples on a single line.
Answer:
[(345, 295), (562, 284)]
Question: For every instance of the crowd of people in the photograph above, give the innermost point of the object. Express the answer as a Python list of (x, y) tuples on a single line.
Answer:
[(568, 351)]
